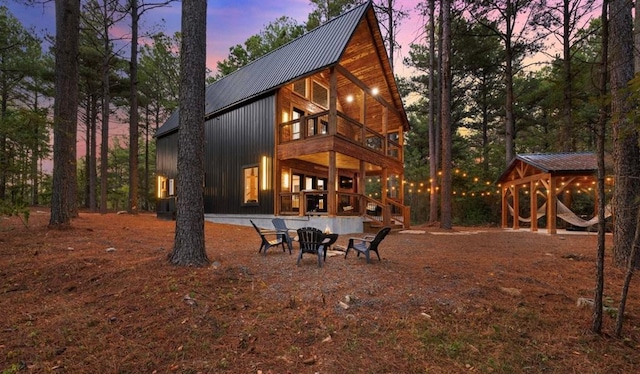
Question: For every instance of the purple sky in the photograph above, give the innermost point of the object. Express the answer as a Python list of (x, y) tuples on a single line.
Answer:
[(229, 22)]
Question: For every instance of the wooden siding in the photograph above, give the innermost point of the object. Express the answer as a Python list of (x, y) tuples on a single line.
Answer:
[(235, 139)]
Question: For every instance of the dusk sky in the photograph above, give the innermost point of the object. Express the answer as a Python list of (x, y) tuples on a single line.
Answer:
[(229, 22)]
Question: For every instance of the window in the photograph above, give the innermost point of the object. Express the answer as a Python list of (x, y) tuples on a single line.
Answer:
[(250, 184), (320, 94), (162, 187), (295, 126), (172, 187), (300, 87)]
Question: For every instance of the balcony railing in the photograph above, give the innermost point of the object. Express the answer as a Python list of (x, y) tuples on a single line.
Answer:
[(314, 202), (318, 125)]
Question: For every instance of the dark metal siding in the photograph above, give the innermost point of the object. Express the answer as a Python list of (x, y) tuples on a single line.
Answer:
[(233, 140), (167, 155)]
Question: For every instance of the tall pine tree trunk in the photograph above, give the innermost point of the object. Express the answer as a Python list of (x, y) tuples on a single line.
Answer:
[(626, 153), (434, 140), (603, 116), (65, 110), (189, 248), (445, 115), (133, 112), (567, 140)]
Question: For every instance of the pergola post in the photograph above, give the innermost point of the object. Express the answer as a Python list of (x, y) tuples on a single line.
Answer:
[(534, 205), (516, 207), (552, 201)]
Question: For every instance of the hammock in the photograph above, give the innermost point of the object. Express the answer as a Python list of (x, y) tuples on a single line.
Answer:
[(567, 215), (541, 212), (564, 213)]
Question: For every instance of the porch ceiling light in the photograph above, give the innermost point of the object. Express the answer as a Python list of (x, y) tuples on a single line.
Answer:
[(349, 98), (375, 91)]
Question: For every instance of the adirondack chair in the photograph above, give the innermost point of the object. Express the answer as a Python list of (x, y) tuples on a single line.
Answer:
[(283, 231), (368, 243), (312, 240), (268, 243)]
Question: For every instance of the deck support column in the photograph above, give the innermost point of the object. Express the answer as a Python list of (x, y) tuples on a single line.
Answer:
[(331, 198), (362, 191), (333, 102)]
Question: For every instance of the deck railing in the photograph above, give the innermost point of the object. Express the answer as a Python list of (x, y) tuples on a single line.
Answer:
[(318, 125), (348, 204)]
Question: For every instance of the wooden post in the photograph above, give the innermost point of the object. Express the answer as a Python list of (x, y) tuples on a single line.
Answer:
[(552, 209), (333, 102), (505, 207), (516, 207), (534, 205), (361, 188), (331, 198)]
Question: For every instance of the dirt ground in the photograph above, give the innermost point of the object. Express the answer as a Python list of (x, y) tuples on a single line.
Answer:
[(102, 298)]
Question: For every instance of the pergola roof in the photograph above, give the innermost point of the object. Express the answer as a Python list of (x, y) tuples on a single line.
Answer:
[(585, 163)]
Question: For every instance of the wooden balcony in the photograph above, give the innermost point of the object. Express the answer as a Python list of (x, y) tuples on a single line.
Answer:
[(312, 134)]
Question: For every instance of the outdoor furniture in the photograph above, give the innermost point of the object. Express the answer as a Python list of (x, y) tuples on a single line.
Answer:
[(283, 231), (268, 243), (368, 243), (313, 241)]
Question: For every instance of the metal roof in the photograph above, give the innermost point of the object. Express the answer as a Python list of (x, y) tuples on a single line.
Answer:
[(570, 163), (313, 51), (561, 162)]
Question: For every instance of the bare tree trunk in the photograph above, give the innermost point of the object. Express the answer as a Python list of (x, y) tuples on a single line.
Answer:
[(35, 156), (189, 248), (93, 161), (65, 110), (636, 36), (627, 280), (626, 153), (133, 112), (445, 115), (433, 133), (87, 145), (510, 149), (600, 139), (146, 158), (106, 101), (566, 139)]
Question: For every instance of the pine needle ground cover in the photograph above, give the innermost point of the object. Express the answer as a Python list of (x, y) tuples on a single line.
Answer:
[(101, 297)]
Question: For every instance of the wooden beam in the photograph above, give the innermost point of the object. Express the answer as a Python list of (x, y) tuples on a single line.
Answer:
[(551, 206), (516, 207), (342, 70), (505, 207), (534, 205), (333, 102), (331, 198)]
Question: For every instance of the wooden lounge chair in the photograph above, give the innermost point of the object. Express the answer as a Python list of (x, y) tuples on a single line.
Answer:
[(368, 243), (268, 243), (312, 240)]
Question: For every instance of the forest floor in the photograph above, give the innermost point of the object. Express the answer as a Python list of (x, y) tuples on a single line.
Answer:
[(102, 298)]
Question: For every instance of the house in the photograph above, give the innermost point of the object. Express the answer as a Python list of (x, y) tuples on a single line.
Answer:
[(547, 182), (311, 132)]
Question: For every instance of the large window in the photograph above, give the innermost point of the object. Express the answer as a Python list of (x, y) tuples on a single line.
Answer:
[(320, 94), (250, 184), (300, 87)]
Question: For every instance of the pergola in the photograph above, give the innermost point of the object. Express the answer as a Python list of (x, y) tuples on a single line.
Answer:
[(548, 175)]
